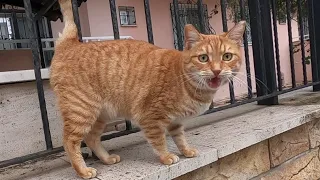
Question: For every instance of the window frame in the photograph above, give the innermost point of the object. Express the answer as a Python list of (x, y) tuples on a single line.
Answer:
[(126, 9)]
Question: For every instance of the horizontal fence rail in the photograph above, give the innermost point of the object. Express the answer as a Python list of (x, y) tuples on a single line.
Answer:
[(263, 77)]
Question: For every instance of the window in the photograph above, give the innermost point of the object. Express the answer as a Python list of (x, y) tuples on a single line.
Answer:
[(6, 32), (5, 28), (305, 27), (127, 16)]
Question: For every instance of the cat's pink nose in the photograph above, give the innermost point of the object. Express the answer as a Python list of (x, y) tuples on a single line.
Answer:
[(216, 72)]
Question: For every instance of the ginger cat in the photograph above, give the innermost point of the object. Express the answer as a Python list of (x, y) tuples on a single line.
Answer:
[(157, 88)]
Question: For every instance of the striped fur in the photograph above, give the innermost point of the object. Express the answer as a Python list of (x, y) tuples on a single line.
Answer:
[(100, 81)]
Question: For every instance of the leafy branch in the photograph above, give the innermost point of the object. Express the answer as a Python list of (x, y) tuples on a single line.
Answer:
[(233, 9)]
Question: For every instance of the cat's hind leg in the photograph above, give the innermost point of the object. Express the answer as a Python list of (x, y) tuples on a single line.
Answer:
[(93, 141)]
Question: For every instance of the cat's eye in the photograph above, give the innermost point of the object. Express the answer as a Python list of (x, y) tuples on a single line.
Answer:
[(227, 57), (203, 58)]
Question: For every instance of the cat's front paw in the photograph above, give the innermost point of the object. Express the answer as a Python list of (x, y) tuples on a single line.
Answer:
[(190, 152), (111, 159), (169, 159), (88, 173)]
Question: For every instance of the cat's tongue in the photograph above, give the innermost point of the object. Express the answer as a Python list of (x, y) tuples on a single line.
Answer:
[(214, 82)]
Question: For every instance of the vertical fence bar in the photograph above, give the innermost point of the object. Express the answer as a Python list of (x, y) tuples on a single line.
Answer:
[(201, 16), (276, 42), (1, 36), (37, 71), (225, 29), (114, 19), (16, 28), (37, 28), (49, 29), (257, 45), (51, 44), (268, 52), (178, 23), (301, 32), (76, 18), (262, 44), (314, 29), (288, 11), (148, 21), (128, 125), (246, 50), (224, 15)]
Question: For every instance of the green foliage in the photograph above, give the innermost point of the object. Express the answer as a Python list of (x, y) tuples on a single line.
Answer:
[(234, 7), (297, 48), (308, 60)]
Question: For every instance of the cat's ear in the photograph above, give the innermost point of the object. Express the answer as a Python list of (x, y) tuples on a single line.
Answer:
[(191, 36), (236, 33)]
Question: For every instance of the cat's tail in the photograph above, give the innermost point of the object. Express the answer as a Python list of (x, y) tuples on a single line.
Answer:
[(70, 32)]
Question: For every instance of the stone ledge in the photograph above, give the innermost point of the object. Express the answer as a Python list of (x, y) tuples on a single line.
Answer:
[(139, 163), (21, 76), (227, 132)]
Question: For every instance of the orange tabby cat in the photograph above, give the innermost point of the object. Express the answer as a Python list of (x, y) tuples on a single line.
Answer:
[(100, 81)]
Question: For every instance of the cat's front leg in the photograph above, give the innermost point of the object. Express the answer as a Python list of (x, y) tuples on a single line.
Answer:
[(176, 131), (154, 131)]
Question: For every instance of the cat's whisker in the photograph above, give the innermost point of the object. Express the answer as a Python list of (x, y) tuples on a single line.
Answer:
[(237, 81), (247, 75), (184, 74), (187, 79), (243, 75), (194, 76), (195, 92), (241, 82), (230, 82), (202, 84)]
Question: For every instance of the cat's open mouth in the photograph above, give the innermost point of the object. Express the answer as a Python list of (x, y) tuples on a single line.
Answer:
[(214, 82)]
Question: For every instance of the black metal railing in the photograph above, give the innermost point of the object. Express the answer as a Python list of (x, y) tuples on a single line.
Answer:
[(14, 33), (189, 12), (265, 46)]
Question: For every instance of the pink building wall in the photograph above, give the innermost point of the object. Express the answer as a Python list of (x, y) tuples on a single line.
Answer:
[(96, 21), (100, 20), (298, 62)]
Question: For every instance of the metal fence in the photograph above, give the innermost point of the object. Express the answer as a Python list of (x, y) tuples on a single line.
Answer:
[(189, 13), (14, 33), (265, 45)]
